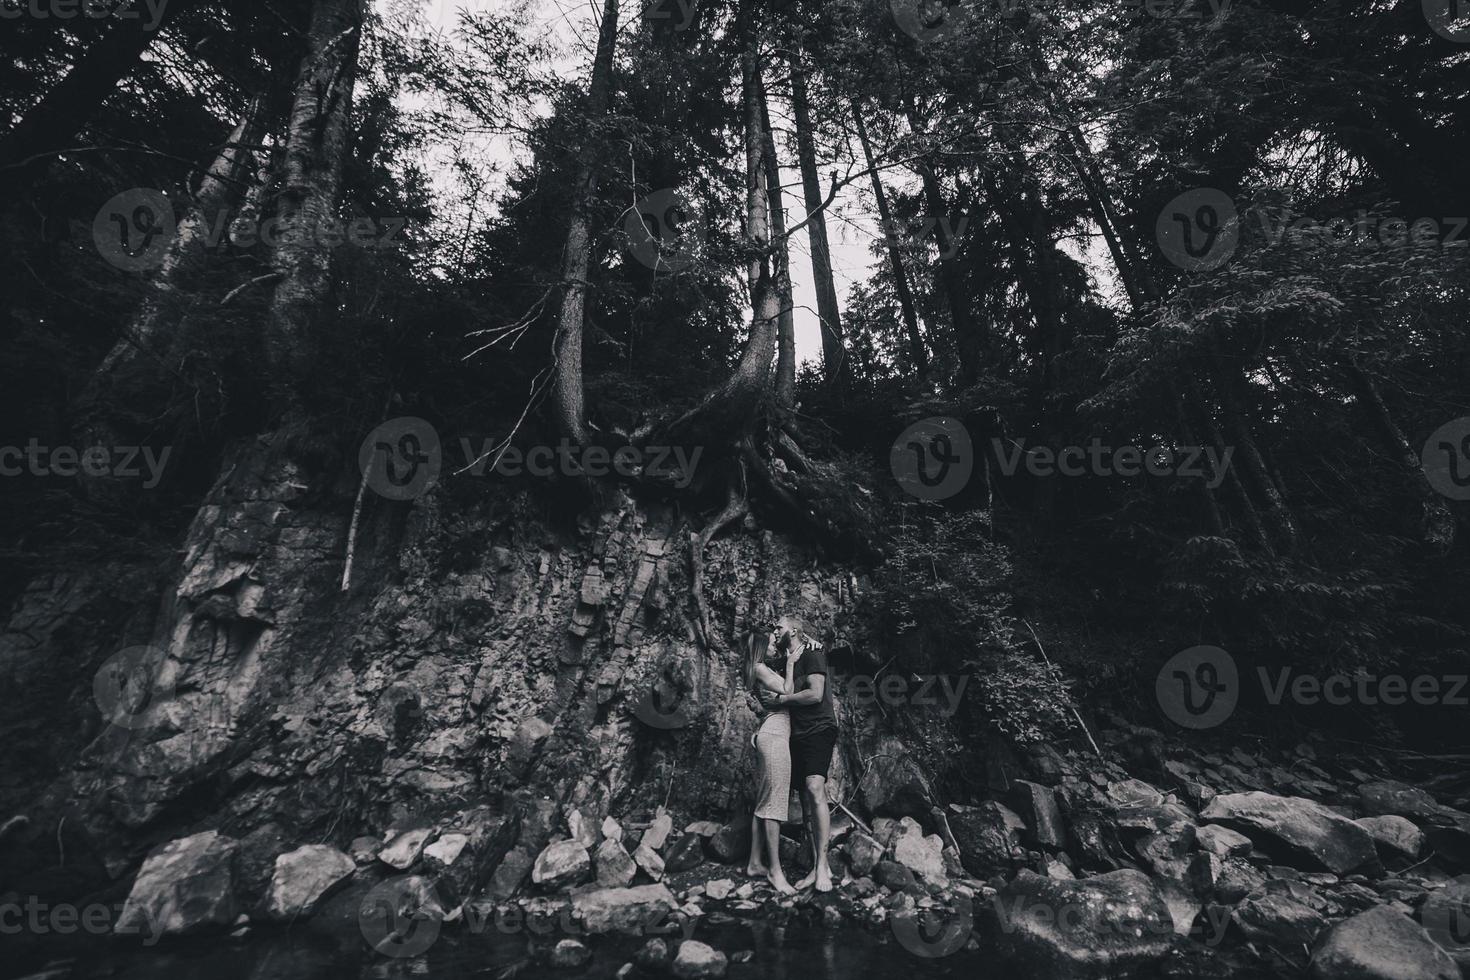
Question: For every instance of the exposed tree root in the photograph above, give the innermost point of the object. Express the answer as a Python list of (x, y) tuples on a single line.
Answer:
[(736, 507)]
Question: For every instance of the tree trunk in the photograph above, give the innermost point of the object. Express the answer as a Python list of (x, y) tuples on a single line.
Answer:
[(895, 252), (785, 387), (835, 366), (1257, 475), (1195, 400), (1437, 527), (317, 144), (214, 206), (567, 391), (728, 410), (968, 342), (51, 125)]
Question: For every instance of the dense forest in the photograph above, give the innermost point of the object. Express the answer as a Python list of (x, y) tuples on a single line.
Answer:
[(406, 425)]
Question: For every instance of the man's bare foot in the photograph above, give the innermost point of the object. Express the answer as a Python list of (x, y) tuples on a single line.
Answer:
[(779, 882), (807, 882), (824, 880), (754, 869)]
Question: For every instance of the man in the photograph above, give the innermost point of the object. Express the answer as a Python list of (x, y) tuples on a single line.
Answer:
[(813, 737)]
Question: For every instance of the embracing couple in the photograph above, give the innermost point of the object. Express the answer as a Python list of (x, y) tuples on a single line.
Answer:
[(786, 668)]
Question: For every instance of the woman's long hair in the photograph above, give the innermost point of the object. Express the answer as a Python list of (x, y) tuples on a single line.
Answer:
[(757, 647)]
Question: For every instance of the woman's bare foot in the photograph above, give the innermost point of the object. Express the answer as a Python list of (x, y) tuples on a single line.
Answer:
[(754, 869), (779, 882), (821, 878)]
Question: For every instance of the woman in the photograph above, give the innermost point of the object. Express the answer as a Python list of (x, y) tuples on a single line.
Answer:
[(772, 741)]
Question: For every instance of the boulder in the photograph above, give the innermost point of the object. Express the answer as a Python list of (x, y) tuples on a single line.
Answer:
[(1037, 806), (304, 877), (987, 836), (1168, 853), (403, 848), (469, 849), (704, 828), (658, 832), (1380, 944), (719, 889), (684, 854), (653, 955), (1161, 819), (698, 961), (891, 874), (731, 843), (581, 827), (1115, 924), (611, 829), (569, 954), (923, 855), (863, 854), (1237, 879), (364, 850), (1094, 838), (1277, 920), (184, 886), (625, 910), (511, 873), (1318, 836), (1396, 837), (1134, 793), (562, 865), (529, 828), (1222, 841), (446, 850), (648, 859), (615, 869), (1387, 797), (1184, 906)]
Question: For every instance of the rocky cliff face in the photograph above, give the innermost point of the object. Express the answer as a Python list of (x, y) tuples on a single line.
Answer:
[(484, 655), (509, 714)]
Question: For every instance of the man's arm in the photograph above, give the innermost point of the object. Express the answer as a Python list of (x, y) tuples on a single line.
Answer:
[(816, 685)]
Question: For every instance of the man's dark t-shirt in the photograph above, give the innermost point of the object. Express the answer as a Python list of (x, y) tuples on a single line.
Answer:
[(809, 718)]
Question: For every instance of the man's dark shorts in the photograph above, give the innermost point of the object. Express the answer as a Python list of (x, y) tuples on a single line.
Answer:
[(811, 753)]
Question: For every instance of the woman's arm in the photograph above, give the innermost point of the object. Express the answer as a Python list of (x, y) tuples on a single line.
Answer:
[(773, 681)]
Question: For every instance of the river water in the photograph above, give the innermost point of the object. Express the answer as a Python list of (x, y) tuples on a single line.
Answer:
[(792, 952)]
